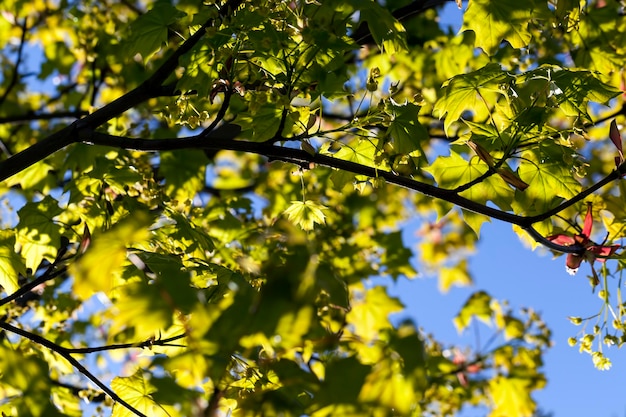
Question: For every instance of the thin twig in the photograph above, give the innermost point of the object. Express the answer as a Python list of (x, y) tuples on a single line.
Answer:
[(32, 284), (145, 344), (16, 72), (63, 352)]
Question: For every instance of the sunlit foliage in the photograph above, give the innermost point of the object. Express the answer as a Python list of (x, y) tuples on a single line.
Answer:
[(202, 201)]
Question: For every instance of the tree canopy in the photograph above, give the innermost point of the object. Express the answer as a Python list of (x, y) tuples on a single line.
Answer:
[(201, 201)]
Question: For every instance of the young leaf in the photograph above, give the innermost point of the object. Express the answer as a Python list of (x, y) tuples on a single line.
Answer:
[(469, 92), (149, 31), (405, 129), (478, 305), (306, 214), (136, 390), (91, 273), (495, 21), (11, 264)]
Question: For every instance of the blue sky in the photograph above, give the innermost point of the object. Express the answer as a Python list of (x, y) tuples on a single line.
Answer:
[(508, 270)]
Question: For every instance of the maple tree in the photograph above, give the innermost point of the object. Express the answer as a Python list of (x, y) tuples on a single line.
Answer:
[(194, 195)]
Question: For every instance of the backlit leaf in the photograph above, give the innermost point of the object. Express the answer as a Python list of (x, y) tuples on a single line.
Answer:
[(306, 214), (11, 264), (470, 92), (39, 235), (91, 272), (495, 21), (549, 181), (405, 130), (149, 31), (137, 391), (478, 305), (454, 171), (457, 275), (511, 397), (370, 314)]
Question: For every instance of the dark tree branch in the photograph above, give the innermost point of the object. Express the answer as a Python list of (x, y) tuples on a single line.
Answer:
[(145, 344), (32, 116), (221, 139), (24, 289)]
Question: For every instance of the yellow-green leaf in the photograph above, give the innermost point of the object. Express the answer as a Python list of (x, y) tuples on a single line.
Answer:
[(136, 391), (405, 130), (457, 275), (389, 389), (511, 397), (479, 306), (454, 171), (97, 269), (11, 264), (370, 313), (38, 234), (306, 213), (495, 21), (471, 92), (549, 182)]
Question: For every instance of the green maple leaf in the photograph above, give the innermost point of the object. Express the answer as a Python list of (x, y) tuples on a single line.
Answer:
[(184, 173), (479, 306), (390, 389), (457, 275), (38, 234), (137, 391), (573, 90), (261, 124), (471, 92), (371, 315), (454, 171), (361, 152), (149, 31), (549, 182), (511, 397), (11, 264), (405, 130), (387, 32), (306, 213), (90, 273), (495, 21)]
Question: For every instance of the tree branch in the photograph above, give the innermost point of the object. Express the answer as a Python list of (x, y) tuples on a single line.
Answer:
[(145, 344), (31, 116), (221, 139), (24, 289)]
